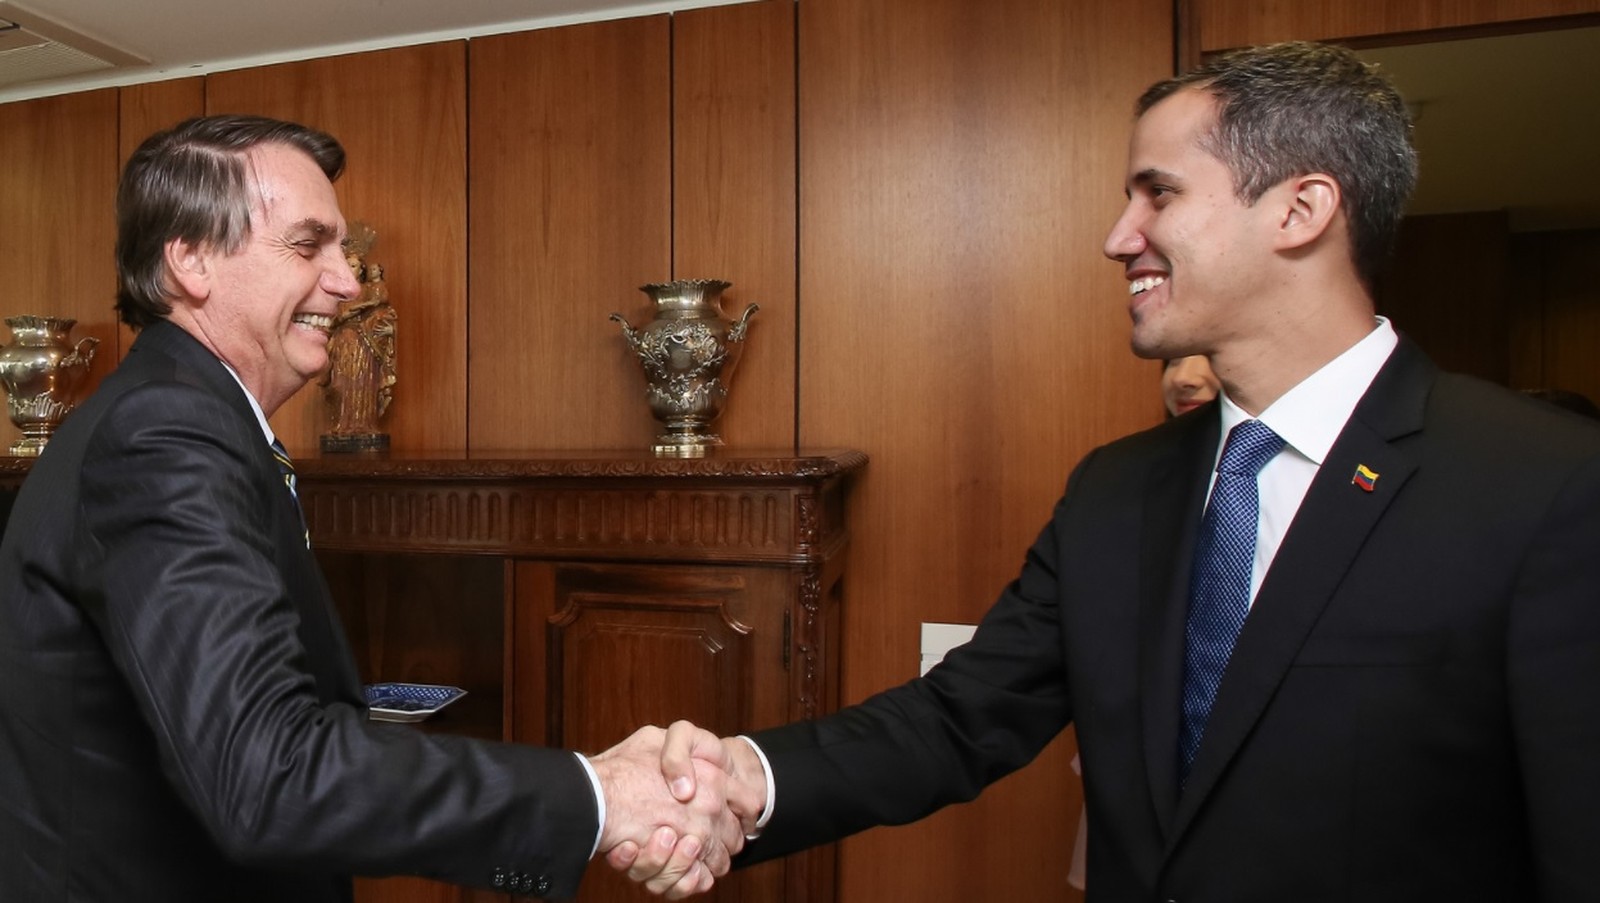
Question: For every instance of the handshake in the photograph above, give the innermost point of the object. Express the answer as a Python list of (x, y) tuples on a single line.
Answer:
[(679, 804)]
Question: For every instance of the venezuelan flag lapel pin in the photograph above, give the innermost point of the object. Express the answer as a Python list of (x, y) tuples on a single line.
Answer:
[(1365, 477)]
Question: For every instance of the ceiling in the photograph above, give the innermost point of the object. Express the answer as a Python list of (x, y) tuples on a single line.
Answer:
[(157, 39), (1509, 122), (1506, 122)]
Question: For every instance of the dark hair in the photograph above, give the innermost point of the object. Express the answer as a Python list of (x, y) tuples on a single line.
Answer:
[(1285, 110), (189, 183)]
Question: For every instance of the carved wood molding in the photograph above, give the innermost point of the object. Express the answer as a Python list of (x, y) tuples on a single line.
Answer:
[(494, 466), (735, 509), (808, 642)]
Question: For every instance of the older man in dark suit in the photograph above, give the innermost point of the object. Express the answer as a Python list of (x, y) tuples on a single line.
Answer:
[(180, 716), (1333, 637)]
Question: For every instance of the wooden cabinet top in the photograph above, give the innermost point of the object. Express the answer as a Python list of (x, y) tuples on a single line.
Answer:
[(780, 466), (777, 507)]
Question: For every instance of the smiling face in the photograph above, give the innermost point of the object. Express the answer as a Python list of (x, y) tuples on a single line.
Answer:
[(266, 309), (1187, 383), (1193, 253)]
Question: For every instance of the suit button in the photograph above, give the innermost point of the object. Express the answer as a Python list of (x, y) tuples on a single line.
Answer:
[(500, 877), (525, 884), (542, 886)]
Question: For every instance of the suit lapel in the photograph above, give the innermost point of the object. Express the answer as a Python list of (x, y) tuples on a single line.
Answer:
[(1173, 498), (1324, 541), (330, 658)]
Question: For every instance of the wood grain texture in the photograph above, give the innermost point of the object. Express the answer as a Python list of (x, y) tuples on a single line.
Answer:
[(1448, 287), (58, 220), (401, 115), (1225, 24), (960, 164), (733, 198), (1564, 308), (571, 213), (144, 110)]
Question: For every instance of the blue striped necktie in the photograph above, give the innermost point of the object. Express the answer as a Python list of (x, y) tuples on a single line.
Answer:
[(286, 468), (1219, 586)]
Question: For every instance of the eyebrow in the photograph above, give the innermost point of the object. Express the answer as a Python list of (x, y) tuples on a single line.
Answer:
[(1146, 176), (315, 226)]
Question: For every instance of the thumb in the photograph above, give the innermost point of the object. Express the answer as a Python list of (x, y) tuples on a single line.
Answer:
[(684, 743)]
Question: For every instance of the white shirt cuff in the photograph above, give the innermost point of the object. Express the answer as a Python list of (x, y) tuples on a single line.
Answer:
[(599, 802), (772, 789)]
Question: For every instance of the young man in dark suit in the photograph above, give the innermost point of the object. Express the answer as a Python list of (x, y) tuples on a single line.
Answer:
[(1364, 667), (180, 715)]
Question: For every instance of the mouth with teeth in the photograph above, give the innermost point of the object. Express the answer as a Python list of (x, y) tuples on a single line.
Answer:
[(314, 322), (1144, 284)]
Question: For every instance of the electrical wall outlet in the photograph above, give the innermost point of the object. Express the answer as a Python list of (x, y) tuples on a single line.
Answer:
[(937, 639)]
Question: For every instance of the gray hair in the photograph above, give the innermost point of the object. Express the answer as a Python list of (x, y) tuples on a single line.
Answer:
[(189, 183)]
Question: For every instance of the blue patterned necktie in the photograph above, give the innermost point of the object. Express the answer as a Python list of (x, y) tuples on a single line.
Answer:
[(1219, 588), (286, 468)]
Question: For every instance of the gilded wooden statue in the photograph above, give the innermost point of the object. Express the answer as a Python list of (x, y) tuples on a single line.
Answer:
[(359, 384)]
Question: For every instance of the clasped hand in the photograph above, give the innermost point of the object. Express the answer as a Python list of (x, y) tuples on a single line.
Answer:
[(679, 803)]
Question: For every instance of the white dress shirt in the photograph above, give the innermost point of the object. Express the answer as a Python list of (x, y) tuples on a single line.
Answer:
[(1309, 417)]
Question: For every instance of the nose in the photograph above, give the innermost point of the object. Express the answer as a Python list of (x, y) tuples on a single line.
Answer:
[(1126, 240), (1193, 372), (339, 280)]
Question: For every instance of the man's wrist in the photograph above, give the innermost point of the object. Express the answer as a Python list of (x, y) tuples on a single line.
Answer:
[(772, 788), (599, 802)]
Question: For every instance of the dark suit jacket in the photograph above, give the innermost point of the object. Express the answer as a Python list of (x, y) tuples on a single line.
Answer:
[(180, 716), (1410, 713)]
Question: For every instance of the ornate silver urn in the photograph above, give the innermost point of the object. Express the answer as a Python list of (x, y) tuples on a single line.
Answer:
[(688, 352), (41, 370)]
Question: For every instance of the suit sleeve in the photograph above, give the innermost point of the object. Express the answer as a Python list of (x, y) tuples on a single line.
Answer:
[(1553, 677), (987, 710), (194, 612)]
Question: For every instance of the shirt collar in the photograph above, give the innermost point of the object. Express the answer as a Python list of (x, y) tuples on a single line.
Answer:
[(261, 416), (1311, 415)]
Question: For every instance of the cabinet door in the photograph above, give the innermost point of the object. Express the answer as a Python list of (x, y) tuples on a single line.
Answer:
[(601, 649)]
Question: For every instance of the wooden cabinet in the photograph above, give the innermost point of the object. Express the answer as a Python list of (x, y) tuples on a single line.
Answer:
[(577, 596)]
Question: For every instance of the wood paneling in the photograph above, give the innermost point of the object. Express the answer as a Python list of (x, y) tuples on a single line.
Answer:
[(733, 199), (144, 110), (58, 220), (1224, 24), (401, 115), (960, 163), (1557, 312), (716, 630), (1448, 288), (571, 213)]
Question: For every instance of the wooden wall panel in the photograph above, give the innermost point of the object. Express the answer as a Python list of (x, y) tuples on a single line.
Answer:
[(733, 198), (1448, 287), (1224, 24), (571, 213), (58, 220), (960, 163), (1557, 312), (401, 115), (146, 109)]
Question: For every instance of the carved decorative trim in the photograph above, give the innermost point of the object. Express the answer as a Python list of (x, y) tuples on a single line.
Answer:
[(807, 523), (617, 505), (743, 523), (808, 641), (577, 465)]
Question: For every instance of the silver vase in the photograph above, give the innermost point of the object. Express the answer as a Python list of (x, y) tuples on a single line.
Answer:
[(41, 370), (688, 351)]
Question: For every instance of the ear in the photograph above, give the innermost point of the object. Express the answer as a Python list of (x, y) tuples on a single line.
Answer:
[(1310, 205), (189, 266)]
